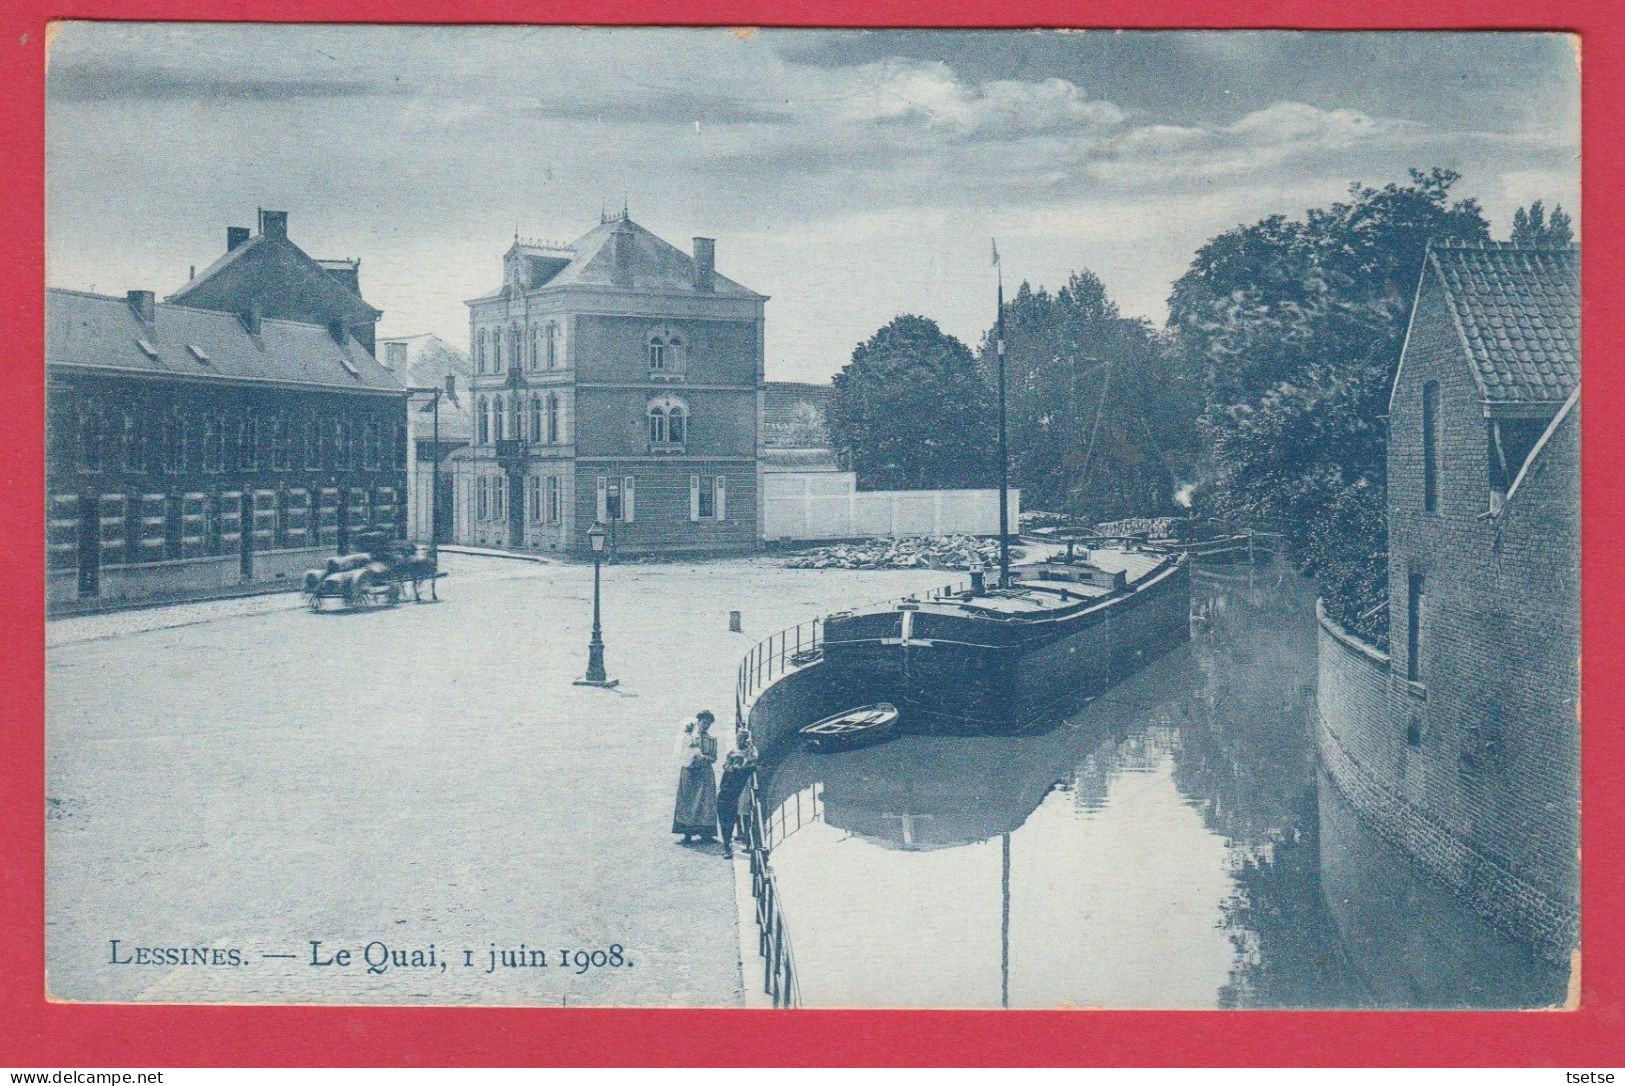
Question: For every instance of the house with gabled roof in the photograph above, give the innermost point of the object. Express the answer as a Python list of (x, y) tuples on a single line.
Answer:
[(267, 274), (1461, 742)]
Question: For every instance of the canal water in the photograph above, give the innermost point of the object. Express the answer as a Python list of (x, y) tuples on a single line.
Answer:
[(1171, 845)]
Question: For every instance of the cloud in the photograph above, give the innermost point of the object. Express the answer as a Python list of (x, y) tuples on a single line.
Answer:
[(116, 83), (931, 95), (657, 105)]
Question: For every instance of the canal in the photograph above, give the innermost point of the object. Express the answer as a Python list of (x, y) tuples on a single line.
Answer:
[(1171, 845)]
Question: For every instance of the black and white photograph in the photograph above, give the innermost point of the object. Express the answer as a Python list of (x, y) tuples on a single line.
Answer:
[(545, 516)]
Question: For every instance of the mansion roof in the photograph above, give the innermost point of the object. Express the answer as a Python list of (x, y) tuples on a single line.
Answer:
[(651, 264)]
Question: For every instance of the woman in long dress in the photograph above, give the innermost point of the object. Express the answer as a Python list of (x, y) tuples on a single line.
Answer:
[(696, 813)]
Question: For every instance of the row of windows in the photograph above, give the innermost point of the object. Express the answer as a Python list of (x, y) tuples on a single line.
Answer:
[(537, 348), (616, 498), (530, 418), (131, 529), (93, 439)]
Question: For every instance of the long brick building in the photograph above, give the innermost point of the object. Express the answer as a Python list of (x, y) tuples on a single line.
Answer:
[(1461, 744), (211, 443), (617, 380)]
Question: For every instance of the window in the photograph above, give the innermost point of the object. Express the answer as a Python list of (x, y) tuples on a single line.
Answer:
[(231, 439), (552, 345), (90, 439), (533, 498), (130, 444), (552, 418), (251, 448), (1430, 446), (479, 353), (482, 504), (372, 445), (667, 423), (535, 351), (707, 497), (1415, 615), (484, 430), (535, 428), (657, 352), (496, 418), (554, 498), (496, 352)]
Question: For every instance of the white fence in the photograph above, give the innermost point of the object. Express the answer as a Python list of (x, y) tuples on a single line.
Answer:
[(829, 505)]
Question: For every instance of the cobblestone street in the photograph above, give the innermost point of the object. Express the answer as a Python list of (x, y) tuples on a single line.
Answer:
[(245, 775)]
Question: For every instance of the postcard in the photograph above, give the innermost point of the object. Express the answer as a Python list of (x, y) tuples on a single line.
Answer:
[(543, 516)]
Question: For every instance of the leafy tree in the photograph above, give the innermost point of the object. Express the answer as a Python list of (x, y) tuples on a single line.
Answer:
[(1096, 423), (1533, 230), (1294, 329), (911, 412)]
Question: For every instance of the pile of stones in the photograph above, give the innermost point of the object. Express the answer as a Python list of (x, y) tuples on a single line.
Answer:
[(959, 552)]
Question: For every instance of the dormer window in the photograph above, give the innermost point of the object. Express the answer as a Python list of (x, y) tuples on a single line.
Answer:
[(147, 349), (198, 353)]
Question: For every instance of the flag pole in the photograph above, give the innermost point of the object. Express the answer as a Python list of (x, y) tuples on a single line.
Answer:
[(1004, 452)]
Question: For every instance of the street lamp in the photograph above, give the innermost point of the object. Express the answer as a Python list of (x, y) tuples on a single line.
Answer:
[(596, 675), (434, 469)]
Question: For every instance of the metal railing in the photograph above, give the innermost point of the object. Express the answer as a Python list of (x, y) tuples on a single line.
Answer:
[(779, 979), (797, 646), (768, 660)]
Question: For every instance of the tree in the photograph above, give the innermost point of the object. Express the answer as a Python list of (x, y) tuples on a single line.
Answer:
[(1532, 230), (1294, 330), (911, 412), (1097, 425)]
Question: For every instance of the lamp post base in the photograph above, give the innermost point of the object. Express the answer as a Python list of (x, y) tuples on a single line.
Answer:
[(602, 683)]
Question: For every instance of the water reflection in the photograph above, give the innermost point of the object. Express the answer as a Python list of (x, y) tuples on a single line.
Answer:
[(1159, 849)]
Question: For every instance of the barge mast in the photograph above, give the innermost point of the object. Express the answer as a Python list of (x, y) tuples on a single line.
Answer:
[(1004, 453)]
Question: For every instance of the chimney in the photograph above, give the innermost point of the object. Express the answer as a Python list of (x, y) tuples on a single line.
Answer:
[(451, 385), (235, 236), (142, 305), (337, 330), (273, 224), (705, 264), (621, 252)]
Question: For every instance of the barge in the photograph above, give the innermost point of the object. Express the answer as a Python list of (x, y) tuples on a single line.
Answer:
[(1003, 659)]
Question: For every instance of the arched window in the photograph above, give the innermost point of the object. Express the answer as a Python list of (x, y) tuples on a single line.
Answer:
[(496, 352), (553, 418), (535, 428), (552, 345), (657, 352), (535, 352), (516, 356), (496, 418), (482, 423), (668, 422), (479, 353), (674, 352)]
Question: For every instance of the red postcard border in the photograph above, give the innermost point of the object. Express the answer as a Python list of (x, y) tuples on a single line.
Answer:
[(34, 1033)]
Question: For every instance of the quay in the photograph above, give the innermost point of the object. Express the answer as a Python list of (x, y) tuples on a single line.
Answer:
[(260, 777)]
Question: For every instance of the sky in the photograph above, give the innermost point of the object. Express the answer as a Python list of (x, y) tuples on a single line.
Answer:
[(851, 175)]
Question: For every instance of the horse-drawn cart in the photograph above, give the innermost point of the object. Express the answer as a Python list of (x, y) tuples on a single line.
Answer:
[(375, 574)]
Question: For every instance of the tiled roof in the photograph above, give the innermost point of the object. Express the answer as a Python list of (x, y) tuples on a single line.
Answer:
[(655, 264), (101, 332), (794, 415), (1519, 313)]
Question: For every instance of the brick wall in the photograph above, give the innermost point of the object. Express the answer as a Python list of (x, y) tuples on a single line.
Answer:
[(1473, 769)]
